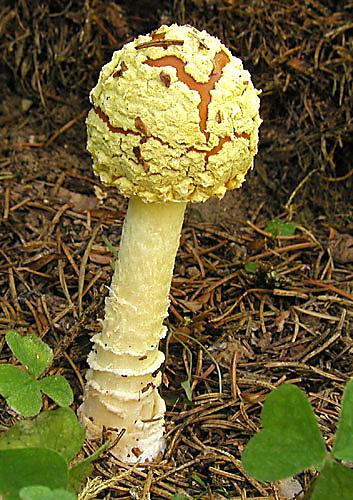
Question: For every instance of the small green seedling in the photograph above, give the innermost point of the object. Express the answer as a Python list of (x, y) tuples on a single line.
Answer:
[(36, 454), (112, 250), (251, 266), (291, 442), (277, 228), (186, 385), (19, 385), (200, 482)]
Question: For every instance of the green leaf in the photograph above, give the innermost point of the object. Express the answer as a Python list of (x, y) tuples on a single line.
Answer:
[(12, 378), (343, 448), (198, 480), (27, 400), (187, 388), (58, 389), (290, 441), (334, 483), (58, 430), (111, 247), (78, 474), (112, 250), (279, 228), (287, 229), (31, 351), (44, 493), (180, 496), (80, 471), (251, 267), (20, 390), (30, 466)]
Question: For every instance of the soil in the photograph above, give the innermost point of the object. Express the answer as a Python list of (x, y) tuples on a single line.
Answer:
[(249, 330)]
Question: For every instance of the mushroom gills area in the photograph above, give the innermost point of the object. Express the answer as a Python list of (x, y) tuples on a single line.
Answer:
[(124, 375)]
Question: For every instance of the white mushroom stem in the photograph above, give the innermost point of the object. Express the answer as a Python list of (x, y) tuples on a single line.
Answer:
[(121, 391)]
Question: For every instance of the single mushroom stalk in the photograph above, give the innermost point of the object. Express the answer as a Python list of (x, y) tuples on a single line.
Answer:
[(125, 362), (175, 119)]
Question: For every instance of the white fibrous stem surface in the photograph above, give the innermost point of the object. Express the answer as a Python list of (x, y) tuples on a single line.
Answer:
[(124, 375)]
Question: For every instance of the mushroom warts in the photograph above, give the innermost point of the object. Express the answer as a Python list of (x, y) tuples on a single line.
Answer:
[(141, 128), (204, 89), (143, 133), (115, 130)]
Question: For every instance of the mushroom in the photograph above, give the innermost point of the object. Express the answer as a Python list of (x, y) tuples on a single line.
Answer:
[(175, 119)]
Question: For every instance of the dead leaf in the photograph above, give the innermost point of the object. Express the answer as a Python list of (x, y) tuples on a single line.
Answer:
[(300, 65), (280, 320), (189, 305), (80, 202), (342, 248), (98, 258), (290, 488), (114, 14)]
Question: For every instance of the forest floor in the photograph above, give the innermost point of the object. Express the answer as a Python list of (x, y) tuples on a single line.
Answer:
[(250, 309)]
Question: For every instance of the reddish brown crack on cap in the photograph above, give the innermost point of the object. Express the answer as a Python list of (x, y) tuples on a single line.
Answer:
[(213, 151), (244, 135), (116, 130), (216, 149), (204, 89), (141, 127), (158, 40), (120, 71), (137, 152)]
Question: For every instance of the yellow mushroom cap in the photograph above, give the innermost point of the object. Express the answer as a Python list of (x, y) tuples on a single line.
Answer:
[(175, 118)]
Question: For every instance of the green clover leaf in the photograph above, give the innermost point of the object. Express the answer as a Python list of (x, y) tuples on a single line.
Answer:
[(58, 389), (343, 448), (334, 483), (290, 440), (31, 351), (277, 227), (20, 388), (26, 400), (30, 466), (58, 430), (12, 378)]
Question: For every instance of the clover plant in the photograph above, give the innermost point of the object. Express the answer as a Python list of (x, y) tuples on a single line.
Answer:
[(21, 387), (291, 442), (276, 227), (36, 454)]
